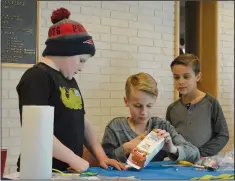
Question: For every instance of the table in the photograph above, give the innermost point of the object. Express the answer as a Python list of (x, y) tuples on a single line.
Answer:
[(154, 171)]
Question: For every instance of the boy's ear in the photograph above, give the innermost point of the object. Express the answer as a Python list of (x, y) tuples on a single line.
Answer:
[(199, 76), (126, 101)]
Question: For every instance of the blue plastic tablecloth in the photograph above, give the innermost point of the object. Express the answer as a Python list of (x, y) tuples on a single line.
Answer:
[(154, 171)]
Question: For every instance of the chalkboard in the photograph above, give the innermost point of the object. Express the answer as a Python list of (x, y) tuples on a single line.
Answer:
[(19, 31)]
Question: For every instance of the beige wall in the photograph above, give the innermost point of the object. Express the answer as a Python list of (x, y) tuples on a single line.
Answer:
[(226, 65), (130, 37)]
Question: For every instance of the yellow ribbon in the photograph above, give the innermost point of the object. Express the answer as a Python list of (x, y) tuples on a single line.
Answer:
[(65, 174), (219, 177)]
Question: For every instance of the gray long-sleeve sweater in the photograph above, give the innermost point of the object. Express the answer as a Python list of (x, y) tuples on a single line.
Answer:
[(118, 132), (203, 124)]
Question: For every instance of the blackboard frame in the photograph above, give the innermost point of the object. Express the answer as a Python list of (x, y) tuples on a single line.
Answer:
[(22, 65)]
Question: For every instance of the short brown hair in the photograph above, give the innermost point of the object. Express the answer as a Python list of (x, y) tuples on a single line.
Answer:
[(141, 82), (188, 59)]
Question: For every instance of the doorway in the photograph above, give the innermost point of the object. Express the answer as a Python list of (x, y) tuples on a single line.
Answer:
[(199, 32)]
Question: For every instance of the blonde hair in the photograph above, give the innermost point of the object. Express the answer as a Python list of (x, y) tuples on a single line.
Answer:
[(141, 82)]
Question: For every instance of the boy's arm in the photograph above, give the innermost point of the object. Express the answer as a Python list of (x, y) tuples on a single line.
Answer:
[(111, 147), (168, 117), (64, 154), (220, 133), (186, 151), (93, 145)]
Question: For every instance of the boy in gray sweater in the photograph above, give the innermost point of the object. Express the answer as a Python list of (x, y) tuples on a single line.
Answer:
[(123, 134), (196, 115)]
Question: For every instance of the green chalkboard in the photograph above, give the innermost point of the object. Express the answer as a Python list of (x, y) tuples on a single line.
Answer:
[(19, 32)]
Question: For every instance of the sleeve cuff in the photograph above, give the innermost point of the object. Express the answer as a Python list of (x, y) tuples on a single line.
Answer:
[(120, 154), (181, 154)]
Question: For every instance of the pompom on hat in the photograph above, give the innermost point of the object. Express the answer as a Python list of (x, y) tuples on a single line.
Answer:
[(67, 37)]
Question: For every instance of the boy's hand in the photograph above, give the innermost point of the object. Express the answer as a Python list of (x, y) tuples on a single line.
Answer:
[(129, 146), (78, 165), (168, 146), (104, 163)]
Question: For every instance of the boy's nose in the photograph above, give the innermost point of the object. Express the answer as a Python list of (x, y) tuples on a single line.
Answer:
[(181, 80), (143, 111), (80, 67)]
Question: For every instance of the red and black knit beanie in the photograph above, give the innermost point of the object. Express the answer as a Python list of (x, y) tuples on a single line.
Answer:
[(67, 37)]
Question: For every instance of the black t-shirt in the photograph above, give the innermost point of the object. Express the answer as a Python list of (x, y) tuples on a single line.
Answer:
[(42, 85)]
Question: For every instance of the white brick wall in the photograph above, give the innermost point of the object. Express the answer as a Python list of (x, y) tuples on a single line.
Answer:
[(130, 36), (226, 65), (10, 116)]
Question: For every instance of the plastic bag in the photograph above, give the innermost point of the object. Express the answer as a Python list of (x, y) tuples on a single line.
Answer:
[(225, 161)]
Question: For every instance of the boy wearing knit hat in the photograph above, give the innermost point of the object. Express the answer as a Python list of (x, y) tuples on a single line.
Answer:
[(51, 82)]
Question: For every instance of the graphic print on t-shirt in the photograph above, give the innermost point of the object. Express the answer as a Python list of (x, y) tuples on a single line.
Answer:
[(71, 98)]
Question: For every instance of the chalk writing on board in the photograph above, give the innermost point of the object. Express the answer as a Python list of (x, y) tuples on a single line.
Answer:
[(18, 29)]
